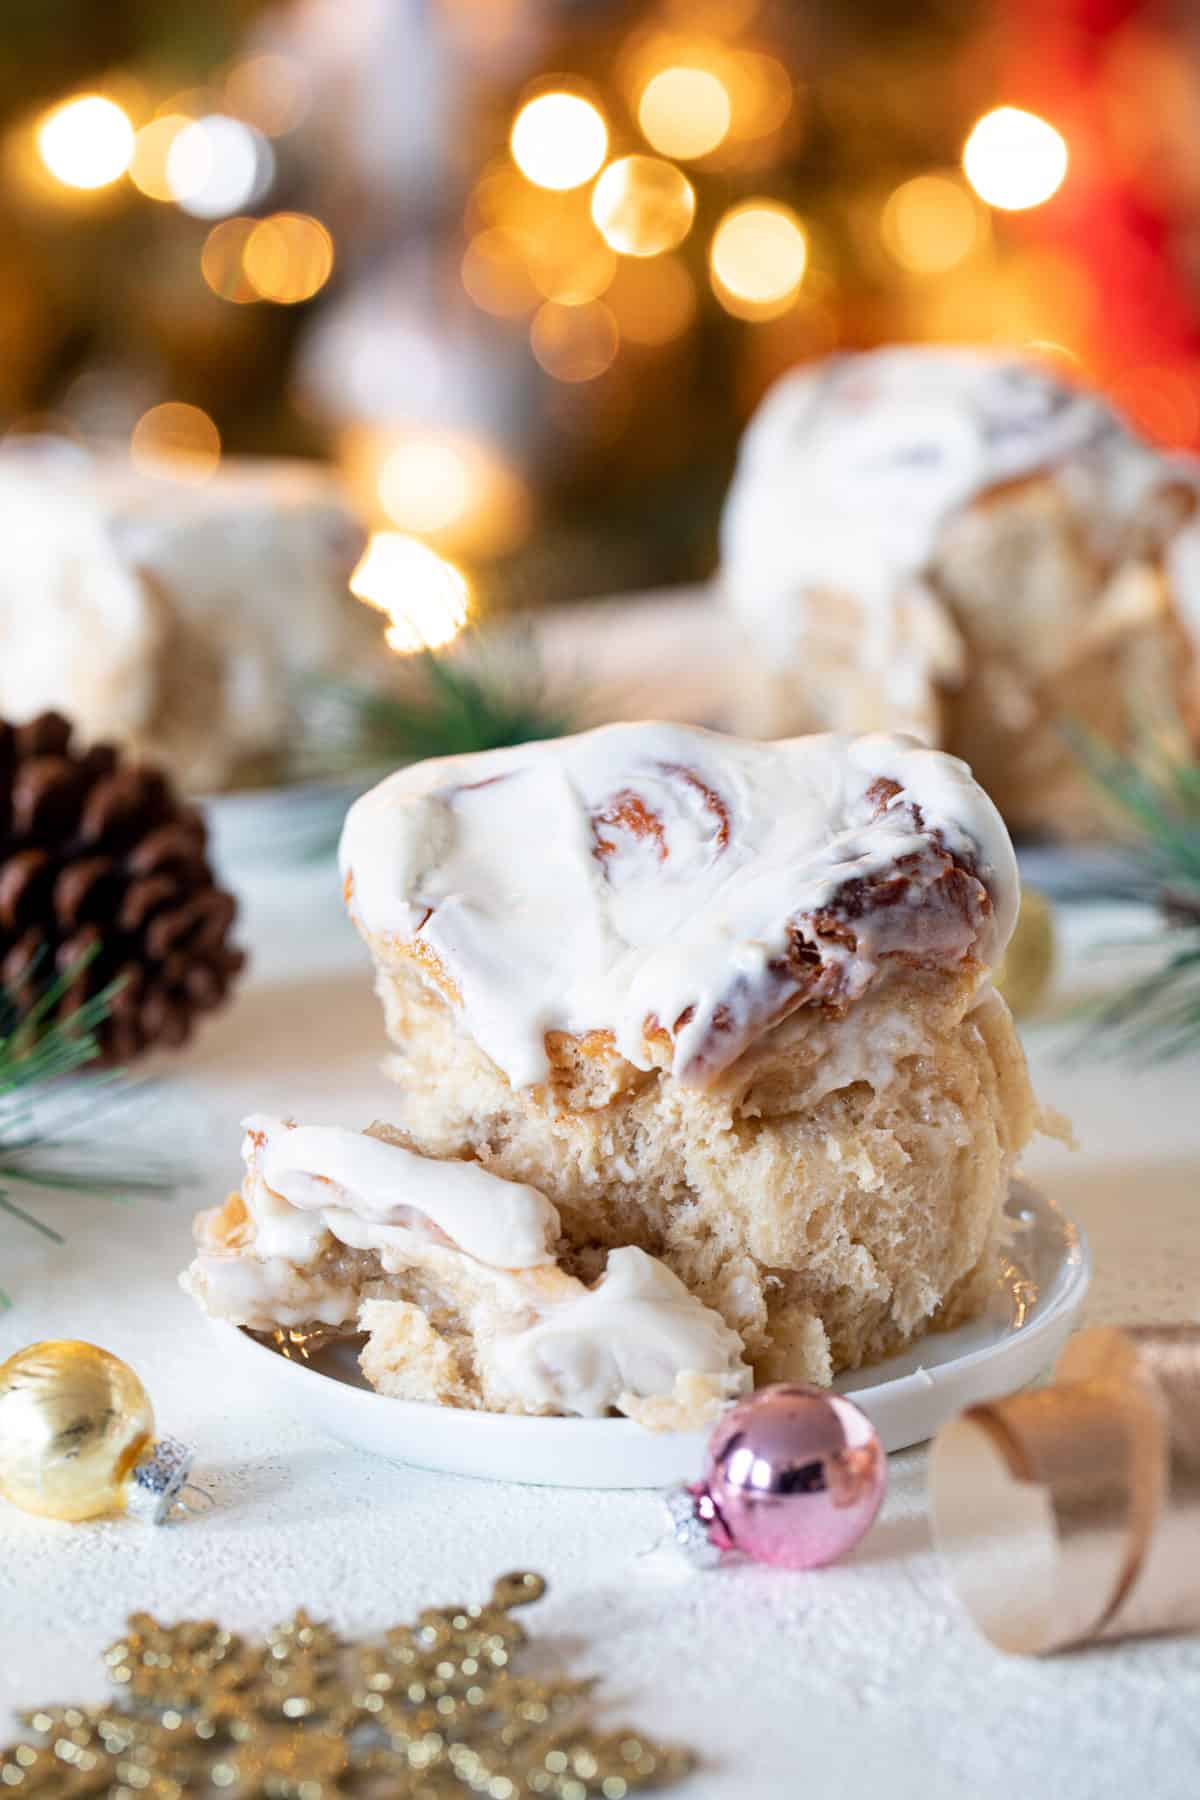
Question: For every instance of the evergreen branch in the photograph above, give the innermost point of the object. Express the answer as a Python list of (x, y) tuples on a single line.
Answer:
[(1157, 1018), (480, 696), (38, 1050)]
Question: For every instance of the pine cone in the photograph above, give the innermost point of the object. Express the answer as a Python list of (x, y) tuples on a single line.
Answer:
[(103, 871)]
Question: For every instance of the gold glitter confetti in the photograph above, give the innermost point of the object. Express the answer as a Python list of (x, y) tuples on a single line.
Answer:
[(429, 1711)]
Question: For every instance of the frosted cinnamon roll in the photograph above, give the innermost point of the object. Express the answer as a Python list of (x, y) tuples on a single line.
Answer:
[(725, 1002), (959, 544), (452, 1275)]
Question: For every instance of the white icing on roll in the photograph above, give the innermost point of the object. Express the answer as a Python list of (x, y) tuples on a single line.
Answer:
[(659, 875), (540, 1338), (306, 1181), (850, 470), (632, 1334)]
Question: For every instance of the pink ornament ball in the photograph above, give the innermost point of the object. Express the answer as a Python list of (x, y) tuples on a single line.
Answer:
[(794, 1477)]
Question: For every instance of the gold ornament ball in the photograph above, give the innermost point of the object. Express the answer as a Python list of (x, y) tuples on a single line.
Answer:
[(1025, 974), (73, 1422)]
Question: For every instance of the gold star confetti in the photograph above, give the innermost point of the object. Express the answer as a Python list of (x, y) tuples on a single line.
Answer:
[(434, 1710)]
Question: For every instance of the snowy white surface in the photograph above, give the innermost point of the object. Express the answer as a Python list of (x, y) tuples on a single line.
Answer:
[(858, 1680)]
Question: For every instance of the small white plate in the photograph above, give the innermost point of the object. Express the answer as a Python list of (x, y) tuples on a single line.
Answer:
[(1045, 1276)]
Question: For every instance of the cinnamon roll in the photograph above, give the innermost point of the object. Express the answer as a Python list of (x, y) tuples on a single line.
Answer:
[(959, 544), (723, 1003)]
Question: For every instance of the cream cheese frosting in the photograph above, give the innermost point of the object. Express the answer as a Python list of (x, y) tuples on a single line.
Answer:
[(540, 1338), (304, 1181), (631, 1335), (851, 469), (660, 878)]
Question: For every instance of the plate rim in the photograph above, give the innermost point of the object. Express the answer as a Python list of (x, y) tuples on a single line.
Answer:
[(1072, 1281)]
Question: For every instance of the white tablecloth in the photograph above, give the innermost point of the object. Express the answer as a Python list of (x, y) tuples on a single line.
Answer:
[(858, 1680)]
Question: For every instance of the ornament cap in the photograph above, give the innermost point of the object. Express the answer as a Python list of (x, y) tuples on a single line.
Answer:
[(157, 1480), (689, 1529)]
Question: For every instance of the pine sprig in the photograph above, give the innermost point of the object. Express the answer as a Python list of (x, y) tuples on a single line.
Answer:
[(1156, 1018), (477, 697), (43, 1145)]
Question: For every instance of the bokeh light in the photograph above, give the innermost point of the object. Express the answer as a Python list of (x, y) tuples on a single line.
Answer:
[(652, 302), (1014, 160), (216, 165), (685, 112), (574, 343), (425, 597), (288, 257), (496, 274), (757, 259), (643, 206), (86, 142), (930, 223), (176, 440), (761, 92), (222, 260), (559, 140), (151, 148), (568, 260), (454, 489), (270, 92)]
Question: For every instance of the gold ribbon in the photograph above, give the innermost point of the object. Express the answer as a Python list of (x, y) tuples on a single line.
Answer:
[(1071, 1514)]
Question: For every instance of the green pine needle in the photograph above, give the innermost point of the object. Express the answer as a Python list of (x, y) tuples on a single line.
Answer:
[(38, 1050), (1157, 1018), (479, 697)]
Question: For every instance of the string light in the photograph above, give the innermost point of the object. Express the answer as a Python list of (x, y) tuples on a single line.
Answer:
[(151, 148), (761, 93), (757, 259), (431, 483), (222, 260), (685, 112), (559, 140), (216, 165), (574, 343), (1015, 160), (176, 440), (930, 223), (288, 258), (425, 597), (86, 142), (643, 206)]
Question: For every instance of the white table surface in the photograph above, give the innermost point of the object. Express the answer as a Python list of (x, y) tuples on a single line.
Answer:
[(863, 1679)]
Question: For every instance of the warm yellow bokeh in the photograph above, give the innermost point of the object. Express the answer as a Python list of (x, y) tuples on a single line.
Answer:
[(1015, 160), (222, 260), (496, 274), (685, 111), (643, 206), (288, 258), (86, 142), (176, 440), (574, 343), (151, 148), (758, 256), (559, 140), (930, 223), (425, 597)]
